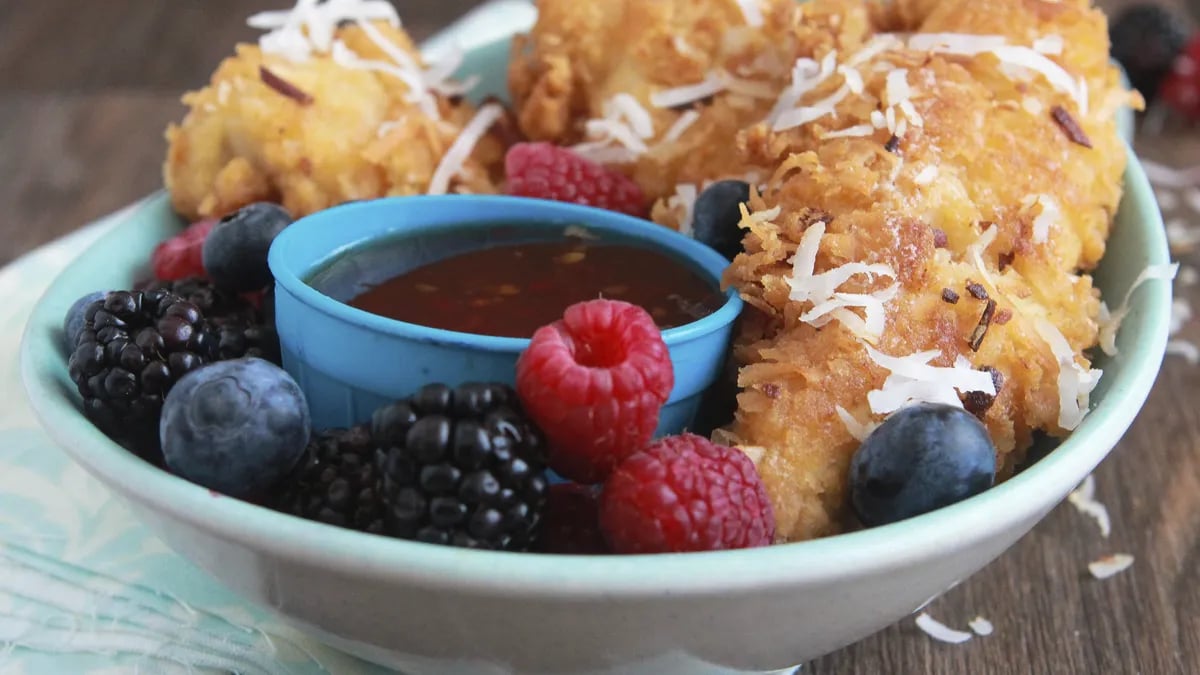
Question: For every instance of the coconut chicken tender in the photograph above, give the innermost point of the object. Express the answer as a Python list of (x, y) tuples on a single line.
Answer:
[(314, 133), (925, 235), (657, 88)]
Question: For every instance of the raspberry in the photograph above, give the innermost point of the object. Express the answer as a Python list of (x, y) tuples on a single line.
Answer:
[(546, 171), (685, 493), (571, 524), (594, 382), (180, 256), (1181, 87)]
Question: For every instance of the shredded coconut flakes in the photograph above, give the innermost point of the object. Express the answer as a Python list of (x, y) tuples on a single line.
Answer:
[(311, 26), (1110, 565), (1075, 383), (1025, 58), (821, 289), (1083, 498), (1110, 321), (681, 125), (858, 430), (981, 626), (1048, 215), (857, 130), (1185, 349), (621, 135), (913, 380), (926, 175), (456, 156), (683, 202), (752, 12), (940, 631)]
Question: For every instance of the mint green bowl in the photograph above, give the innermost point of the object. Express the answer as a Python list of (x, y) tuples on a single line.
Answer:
[(428, 609)]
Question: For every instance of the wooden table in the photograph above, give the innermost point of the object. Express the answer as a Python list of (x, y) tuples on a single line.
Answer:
[(87, 87)]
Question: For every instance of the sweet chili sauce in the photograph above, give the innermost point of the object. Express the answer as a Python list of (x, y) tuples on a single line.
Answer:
[(513, 290)]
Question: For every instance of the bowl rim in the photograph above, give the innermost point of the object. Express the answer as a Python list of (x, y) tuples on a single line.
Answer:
[(921, 539), (483, 209)]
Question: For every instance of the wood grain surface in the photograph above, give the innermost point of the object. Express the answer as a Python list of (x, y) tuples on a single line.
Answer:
[(87, 87)]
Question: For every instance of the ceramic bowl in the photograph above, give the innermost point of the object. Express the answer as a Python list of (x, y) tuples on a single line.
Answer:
[(427, 609), (350, 362)]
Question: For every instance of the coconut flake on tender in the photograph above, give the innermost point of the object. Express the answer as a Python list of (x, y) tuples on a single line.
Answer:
[(858, 130), (310, 25), (1075, 383), (1012, 56), (752, 12), (1110, 565), (913, 380), (1083, 498), (821, 289), (456, 157), (976, 250), (683, 203), (926, 175), (807, 75), (681, 125), (620, 135), (857, 429), (940, 631), (1048, 215)]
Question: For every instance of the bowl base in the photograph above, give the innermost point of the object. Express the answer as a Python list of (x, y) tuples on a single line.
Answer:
[(412, 664)]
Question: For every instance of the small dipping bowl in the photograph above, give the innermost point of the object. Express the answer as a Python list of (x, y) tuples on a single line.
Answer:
[(349, 362)]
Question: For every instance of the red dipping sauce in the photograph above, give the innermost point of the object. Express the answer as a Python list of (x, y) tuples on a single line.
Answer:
[(512, 290)]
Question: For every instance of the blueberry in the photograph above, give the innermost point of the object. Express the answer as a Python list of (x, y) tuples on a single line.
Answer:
[(235, 252), (717, 214), (921, 458), (74, 320), (236, 427), (1146, 38)]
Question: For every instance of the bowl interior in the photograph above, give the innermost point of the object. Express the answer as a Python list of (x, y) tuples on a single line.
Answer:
[(118, 259)]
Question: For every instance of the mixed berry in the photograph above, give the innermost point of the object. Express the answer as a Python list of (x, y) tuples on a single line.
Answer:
[(547, 171), (1160, 55), (185, 371)]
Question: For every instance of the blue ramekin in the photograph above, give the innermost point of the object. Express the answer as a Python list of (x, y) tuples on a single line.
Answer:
[(350, 362)]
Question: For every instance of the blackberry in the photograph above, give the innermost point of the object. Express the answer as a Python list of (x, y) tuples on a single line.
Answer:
[(1145, 39), (462, 467), (239, 328), (216, 304), (336, 481), (238, 339), (133, 347)]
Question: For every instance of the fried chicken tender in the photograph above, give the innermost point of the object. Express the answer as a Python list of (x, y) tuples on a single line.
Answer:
[(358, 137), (583, 53), (983, 150)]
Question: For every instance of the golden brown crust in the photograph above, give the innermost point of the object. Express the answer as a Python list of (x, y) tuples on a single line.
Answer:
[(581, 53), (243, 140), (992, 152)]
